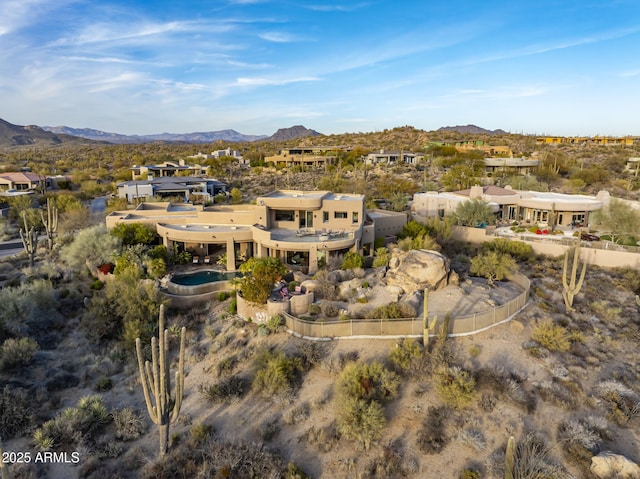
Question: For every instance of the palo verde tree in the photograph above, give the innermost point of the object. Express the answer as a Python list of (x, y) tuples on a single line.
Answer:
[(474, 213), (156, 381), (260, 274), (493, 265), (619, 220)]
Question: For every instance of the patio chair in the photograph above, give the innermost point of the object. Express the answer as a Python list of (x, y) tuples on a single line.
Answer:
[(207, 259), (196, 259)]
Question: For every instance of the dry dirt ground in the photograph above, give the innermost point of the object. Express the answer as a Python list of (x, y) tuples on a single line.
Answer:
[(216, 336)]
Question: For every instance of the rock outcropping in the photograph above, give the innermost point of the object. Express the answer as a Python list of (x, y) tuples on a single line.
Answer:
[(418, 269), (607, 464)]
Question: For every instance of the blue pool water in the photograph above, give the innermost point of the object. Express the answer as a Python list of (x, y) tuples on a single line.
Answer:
[(203, 277)]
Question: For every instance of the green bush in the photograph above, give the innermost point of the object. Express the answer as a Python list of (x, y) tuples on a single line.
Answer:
[(17, 352), (276, 373), (455, 386), (360, 420), (520, 250), (432, 437), (352, 260), (226, 390), (370, 381), (392, 311), (407, 356), (273, 323), (551, 336), (493, 266), (222, 296), (382, 257)]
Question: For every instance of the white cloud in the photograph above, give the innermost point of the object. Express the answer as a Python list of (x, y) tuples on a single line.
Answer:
[(278, 37), (272, 81)]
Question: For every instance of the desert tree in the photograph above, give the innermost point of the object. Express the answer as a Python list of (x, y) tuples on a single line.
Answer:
[(493, 266), (618, 219), (474, 212)]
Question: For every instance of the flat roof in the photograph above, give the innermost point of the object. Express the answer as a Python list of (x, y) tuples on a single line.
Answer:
[(295, 194), (206, 228)]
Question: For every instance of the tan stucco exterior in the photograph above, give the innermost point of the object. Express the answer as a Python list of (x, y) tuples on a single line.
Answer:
[(302, 228)]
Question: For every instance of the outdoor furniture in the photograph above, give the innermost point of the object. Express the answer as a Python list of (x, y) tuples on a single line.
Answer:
[(207, 259), (196, 259)]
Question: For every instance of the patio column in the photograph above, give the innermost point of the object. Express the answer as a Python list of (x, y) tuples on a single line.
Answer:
[(313, 259), (231, 255)]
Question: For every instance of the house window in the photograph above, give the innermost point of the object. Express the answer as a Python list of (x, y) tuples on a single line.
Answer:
[(340, 215), (354, 217), (284, 215), (325, 216)]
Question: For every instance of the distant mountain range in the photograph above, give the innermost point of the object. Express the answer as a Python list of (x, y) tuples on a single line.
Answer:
[(472, 129), (32, 135), (197, 137)]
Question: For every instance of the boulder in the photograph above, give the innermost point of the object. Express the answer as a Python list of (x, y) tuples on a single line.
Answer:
[(608, 464), (310, 284), (418, 269)]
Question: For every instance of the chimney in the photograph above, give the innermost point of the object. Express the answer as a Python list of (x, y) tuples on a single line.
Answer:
[(475, 192)]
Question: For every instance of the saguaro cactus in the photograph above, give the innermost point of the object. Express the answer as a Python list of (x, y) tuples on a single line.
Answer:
[(50, 222), (156, 382), (427, 328), (572, 285), (29, 237), (510, 459)]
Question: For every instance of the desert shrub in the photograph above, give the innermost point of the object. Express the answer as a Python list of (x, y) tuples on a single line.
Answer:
[(473, 437), (432, 437), (360, 420), (624, 405), (329, 309), (156, 268), (506, 384), (276, 373), (103, 384), (199, 432), (17, 352), (324, 438), (73, 425), (314, 308), (273, 323), (93, 246), (382, 257), (519, 250), (581, 438), (27, 308), (294, 472), (533, 459), (407, 356), (311, 353), (455, 386), (216, 458), (336, 362), (226, 365), (493, 266), (222, 296), (233, 306), (352, 260), (419, 242), (227, 390), (16, 412), (392, 311), (269, 428), (371, 381), (129, 423), (551, 336), (296, 414)]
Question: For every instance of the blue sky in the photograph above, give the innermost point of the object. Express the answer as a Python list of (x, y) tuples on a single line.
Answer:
[(138, 67)]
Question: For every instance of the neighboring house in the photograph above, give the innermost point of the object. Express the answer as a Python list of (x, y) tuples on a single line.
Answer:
[(318, 157), (478, 145), (579, 140), (302, 228), (168, 168), (509, 205), (384, 157), (20, 181), (170, 186), (511, 166), (633, 166), (219, 154)]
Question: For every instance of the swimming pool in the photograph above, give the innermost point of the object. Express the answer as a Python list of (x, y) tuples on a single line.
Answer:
[(201, 282), (203, 277)]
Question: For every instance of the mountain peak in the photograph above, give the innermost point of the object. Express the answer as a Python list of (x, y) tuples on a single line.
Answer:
[(297, 131), (472, 129)]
